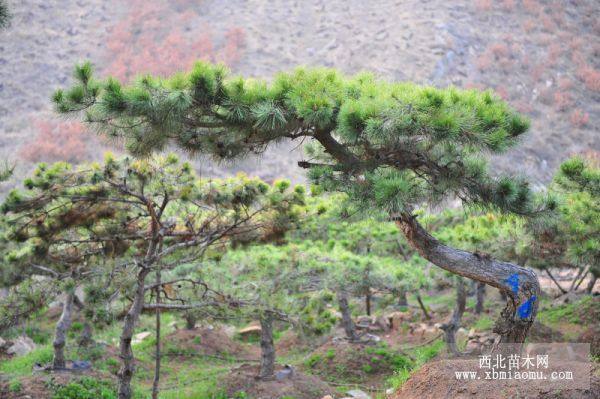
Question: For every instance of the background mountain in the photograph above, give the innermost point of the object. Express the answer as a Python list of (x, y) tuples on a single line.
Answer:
[(509, 46)]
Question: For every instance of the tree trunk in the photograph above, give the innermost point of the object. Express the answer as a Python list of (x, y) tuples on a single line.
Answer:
[(347, 322), (555, 281), (591, 283), (267, 349), (402, 300), (125, 351), (422, 306), (60, 335), (190, 321), (156, 380), (480, 293), (453, 325), (85, 339), (368, 301), (520, 284)]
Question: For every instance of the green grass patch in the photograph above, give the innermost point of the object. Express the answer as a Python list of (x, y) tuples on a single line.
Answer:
[(22, 365), (483, 323)]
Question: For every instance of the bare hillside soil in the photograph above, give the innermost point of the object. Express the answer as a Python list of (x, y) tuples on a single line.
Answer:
[(542, 56)]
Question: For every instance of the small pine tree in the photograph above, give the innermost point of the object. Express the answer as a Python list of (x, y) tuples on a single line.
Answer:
[(4, 14)]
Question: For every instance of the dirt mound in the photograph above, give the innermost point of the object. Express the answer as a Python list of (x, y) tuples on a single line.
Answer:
[(592, 335), (542, 333), (344, 362), (206, 341), (45, 385), (438, 380), (299, 386)]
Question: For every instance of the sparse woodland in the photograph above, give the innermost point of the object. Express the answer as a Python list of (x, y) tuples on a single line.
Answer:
[(131, 274)]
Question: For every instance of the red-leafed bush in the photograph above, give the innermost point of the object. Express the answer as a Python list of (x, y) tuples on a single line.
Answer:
[(59, 141), (157, 39), (579, 118), (562, 100), (589, 76)]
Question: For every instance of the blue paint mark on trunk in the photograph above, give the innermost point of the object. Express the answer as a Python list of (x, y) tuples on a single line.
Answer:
[(513, 282), (526, 307)]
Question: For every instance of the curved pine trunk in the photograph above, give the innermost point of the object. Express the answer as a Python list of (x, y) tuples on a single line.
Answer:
[(347, 323), (453, 325), (267, 348), (60, 334), (518, 283), (125, 351), (591, 284), (402, 300)]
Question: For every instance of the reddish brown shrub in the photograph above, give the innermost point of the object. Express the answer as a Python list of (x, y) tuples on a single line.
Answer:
[(154, 38), (59, 141), (529, 25), (484, 61), (562, 100), (579, 118), (483, 5), (508, 5), (589, 76), (532, 6)]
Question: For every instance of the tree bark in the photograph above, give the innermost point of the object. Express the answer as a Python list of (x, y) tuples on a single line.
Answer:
[(85, 339), (591, 283), (368, 301), (402, 300), (190, 321), (347, 322), (520, 284), (453, 325), (267, 348), (125, 351), (422, 306), (555, 281), (60, 334), (480, 296), (156, 381)]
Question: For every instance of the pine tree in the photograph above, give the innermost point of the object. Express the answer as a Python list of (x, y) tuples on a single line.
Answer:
[(391, 146), (151, 215), (4, 14)]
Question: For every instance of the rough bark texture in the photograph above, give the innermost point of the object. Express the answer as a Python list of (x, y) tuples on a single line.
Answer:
[(453, 324), (480, 296), (347, 322), (422, 306), (267, 349), (60, 334), (368, 302), (402, 300), (125, 351), (85, 339), (156, 381), (591, 283), (190, 321), (520, 284)]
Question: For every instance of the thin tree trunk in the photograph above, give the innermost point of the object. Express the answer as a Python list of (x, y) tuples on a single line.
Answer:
[(402, 300), (480, 293), (190, 321), (520, 284), (267, 349), (368, 301), (581, 280), (579, 273), (347, 322), (555, 281), (125, 351), (422, 306), (156, 381), (591, 284), (85, 339), (453, 325), (60, 334)]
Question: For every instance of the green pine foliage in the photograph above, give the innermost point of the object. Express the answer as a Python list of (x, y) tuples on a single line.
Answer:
[(4, 14), (396, 144)]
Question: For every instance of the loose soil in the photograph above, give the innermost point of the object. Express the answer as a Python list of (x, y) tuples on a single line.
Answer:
[(300, 386)]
